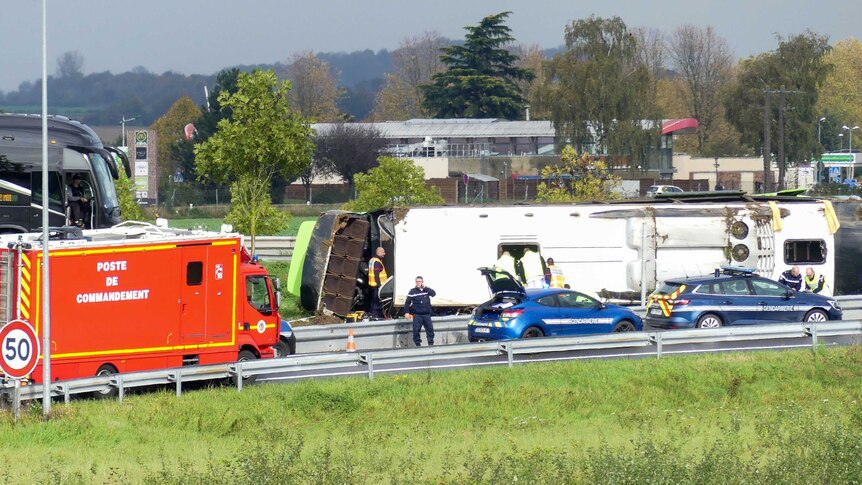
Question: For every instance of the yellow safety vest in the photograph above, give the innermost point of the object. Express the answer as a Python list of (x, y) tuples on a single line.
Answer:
[(383, 276), (557, 278)]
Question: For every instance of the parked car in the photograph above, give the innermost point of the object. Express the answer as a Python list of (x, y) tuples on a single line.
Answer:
[(518, 312), (734, 296), (655, 190)]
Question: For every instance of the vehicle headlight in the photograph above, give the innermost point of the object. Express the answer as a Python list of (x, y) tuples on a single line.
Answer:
[(835, 304)]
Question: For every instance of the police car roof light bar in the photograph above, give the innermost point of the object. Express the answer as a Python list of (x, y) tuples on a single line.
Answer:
[(735, 271)]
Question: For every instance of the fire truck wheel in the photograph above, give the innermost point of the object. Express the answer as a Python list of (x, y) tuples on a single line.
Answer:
[(110, 392), (245, 356)]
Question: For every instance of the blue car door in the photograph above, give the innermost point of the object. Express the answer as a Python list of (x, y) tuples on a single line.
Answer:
[(737, 305), (581, 315), (544, 313), (776, 305)]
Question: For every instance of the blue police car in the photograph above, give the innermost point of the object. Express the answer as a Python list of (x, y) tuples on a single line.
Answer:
[(734, 296), (518, 312)]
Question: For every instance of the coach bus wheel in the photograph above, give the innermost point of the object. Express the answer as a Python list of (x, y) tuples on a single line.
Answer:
[(108, 392), (816, 316)]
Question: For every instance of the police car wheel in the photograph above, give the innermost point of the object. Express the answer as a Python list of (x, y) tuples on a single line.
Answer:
[(709, 320), (815, 316), (625, 326), (534, 332), (281, 349)]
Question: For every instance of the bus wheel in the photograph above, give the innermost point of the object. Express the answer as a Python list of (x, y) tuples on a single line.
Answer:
[(108, 392)]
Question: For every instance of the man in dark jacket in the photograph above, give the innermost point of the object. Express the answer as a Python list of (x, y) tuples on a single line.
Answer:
[(792, 278), (418, 306)]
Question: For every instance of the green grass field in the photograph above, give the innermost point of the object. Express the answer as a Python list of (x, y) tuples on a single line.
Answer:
[(767, 417)]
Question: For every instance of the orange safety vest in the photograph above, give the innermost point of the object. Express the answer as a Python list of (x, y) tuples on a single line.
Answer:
[(557, 278), (371, 280)]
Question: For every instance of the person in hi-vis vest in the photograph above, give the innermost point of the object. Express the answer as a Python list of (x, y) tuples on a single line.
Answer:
[(376, 277)]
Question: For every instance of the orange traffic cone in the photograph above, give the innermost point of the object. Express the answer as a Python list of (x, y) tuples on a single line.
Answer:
[(351, 343)]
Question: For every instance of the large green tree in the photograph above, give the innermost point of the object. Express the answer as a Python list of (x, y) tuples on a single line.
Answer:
[(393, 182), (480, 80), (599, 91), (797, 67), (578, 177), (263, 138), (170, 133)]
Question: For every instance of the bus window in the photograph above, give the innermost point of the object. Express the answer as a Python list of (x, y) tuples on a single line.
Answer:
[(55, 190)]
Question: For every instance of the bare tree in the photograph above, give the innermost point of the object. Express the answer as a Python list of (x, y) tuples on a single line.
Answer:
[(532, 57), (652, 53), (704, 61), (415, 61), (315, 91), (70, 64), (347, 149), (317, 168)]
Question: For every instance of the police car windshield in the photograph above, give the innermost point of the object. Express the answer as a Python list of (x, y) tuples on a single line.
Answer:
[(667, 288)]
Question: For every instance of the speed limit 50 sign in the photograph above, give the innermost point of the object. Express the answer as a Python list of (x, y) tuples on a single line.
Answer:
[(19, 348)]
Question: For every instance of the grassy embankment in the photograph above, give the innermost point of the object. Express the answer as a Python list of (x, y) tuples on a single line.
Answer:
[(766, 417)]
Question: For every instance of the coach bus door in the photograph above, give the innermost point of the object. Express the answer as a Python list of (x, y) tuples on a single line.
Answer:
[(194, 295), (56, 213)]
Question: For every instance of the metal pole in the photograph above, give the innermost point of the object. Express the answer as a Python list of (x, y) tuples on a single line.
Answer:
[(46, 297), (643, 263), (767, 148)]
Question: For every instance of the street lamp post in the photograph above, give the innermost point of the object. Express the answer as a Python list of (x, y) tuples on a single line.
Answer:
[(123, 122), (850, 148), (819, 163), (716, 172)]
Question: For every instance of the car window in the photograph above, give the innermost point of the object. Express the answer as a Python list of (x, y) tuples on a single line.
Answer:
[(550, 300), (674, 189), (667, 288), (768, 288), (576, 300), (734, 287), (708, 289)]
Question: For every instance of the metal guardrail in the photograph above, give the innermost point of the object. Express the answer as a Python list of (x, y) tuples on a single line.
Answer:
[(384, 334), (394, 334), (273, 248), (644, 343)]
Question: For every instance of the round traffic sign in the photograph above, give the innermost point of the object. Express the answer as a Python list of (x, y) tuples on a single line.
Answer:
[(19, 348)]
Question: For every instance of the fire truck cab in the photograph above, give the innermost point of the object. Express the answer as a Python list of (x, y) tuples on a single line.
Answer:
[(139, 297)]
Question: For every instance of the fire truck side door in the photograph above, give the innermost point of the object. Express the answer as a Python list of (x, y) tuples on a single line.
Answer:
[(193, 299)]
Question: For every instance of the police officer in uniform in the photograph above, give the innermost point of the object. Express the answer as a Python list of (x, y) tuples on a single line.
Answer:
[(418, 306), (78, 202), (812, 282), (792, 278)]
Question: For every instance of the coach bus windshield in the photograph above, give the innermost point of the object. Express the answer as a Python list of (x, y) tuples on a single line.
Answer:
[(104, 180)]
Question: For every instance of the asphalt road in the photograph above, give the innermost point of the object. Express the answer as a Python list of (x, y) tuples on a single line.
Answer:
[(442, 362)]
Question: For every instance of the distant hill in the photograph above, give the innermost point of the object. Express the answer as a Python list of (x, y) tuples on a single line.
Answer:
[(104, 98)]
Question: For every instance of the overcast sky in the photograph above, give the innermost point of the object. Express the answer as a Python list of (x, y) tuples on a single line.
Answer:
[(203, 36)]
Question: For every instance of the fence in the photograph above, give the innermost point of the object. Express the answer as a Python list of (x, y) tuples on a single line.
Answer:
[(633, 344), (273, 248)]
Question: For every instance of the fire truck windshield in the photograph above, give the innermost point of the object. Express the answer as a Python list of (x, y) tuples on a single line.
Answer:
[(104, 180), (257, 292)]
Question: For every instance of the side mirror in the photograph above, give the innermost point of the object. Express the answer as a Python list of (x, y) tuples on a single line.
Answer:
[(789, 293), (602, 306)]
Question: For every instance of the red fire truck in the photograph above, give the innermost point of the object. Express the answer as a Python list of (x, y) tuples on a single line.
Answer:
[(138, 297)]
